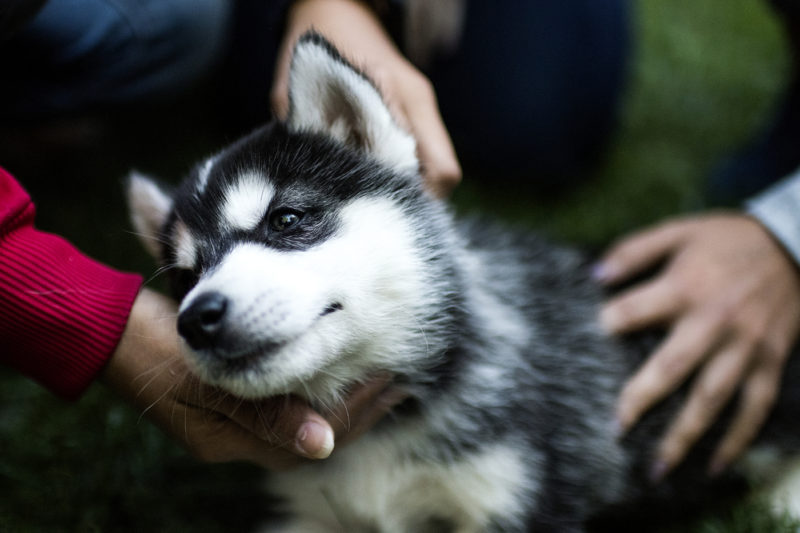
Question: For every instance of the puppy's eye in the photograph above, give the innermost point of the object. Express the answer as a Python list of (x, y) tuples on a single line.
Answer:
[(284, 219)]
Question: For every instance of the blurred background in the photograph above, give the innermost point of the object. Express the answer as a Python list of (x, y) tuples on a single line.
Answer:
[(704, 77)]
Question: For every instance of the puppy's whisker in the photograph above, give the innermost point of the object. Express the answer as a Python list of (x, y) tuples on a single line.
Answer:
[(148, 237)]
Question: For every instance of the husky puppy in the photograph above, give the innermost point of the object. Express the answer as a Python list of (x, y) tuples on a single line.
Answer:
[(307, 256)]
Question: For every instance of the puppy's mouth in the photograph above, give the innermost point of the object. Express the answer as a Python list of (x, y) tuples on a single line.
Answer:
[(222, 361), (332, 308)]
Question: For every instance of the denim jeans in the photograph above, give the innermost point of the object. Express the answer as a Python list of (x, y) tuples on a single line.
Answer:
[(79, 54), (533, 87)]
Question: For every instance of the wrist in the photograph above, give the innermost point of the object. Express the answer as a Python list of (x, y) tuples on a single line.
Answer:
[(149, 339)]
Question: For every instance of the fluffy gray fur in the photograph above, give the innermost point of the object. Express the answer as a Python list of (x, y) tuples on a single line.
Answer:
[(512, 383)]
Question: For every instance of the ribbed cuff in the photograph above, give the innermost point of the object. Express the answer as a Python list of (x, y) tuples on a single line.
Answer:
[(61, 313)]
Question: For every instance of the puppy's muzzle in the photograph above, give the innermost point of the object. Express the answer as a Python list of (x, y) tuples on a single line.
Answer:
[(206, 325)]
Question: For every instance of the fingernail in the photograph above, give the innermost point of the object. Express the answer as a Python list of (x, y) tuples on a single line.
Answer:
[(601, 272), (658, 471), (314, 440)]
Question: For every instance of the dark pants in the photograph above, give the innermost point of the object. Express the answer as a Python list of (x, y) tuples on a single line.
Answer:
[(531, 91)]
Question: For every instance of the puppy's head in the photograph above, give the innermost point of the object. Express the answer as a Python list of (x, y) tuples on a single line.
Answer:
[(297, 253)]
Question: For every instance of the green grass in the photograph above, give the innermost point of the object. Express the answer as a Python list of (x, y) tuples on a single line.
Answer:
[(705, 75)]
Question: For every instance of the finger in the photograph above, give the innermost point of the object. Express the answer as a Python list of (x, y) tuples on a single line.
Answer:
[(219, 440), (758, 397), (686, 346), (374, 407), (286, 422), (711, 391), (291, 423), (644, 305), (437, 155), (638, 252), (347, 416), (279, 93)]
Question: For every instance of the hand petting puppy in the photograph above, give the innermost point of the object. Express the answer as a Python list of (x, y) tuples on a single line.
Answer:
[(356, 32), (730, 296), (278, 433)]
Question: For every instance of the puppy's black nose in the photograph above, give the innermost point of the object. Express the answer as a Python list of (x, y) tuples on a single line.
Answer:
[(201, 323)]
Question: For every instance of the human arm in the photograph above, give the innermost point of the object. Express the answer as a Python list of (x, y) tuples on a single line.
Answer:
[(61, 313), (729, 294), (356, 31)]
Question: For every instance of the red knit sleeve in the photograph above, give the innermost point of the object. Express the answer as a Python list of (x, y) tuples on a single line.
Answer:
[(61, 313)]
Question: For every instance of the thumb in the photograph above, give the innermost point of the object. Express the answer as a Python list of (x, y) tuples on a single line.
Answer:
[(286, 422)]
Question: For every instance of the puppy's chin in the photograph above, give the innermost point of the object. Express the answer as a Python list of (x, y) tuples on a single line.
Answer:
[(292, 368)]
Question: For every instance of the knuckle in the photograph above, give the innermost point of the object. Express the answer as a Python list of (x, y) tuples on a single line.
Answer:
[(417, 81)]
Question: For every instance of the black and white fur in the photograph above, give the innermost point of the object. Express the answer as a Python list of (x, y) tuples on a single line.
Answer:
[(308, 257)]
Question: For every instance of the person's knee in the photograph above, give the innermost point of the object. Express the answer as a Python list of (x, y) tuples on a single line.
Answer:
[(199, 31), (75, 56), (179, 42)]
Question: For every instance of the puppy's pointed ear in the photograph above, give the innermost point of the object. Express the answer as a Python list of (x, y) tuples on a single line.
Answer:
[(328, 95), (149, 207)]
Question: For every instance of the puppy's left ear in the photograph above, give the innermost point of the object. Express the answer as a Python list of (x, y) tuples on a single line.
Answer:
[(328, 95), (149, 207)]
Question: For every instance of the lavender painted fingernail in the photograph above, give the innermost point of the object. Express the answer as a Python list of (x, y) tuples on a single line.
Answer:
[(600, 272)]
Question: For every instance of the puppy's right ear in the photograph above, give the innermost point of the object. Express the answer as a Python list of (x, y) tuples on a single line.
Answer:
[(329, 96), (149, 207)]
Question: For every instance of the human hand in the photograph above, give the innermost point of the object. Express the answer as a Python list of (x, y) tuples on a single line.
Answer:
[(277, 433), (730, 297), (355, 30)]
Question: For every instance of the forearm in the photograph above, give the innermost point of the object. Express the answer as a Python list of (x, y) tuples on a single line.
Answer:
[(61, 313)]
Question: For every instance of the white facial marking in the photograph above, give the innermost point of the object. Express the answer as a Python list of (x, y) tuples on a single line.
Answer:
[(281, 297), (246, 201)]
